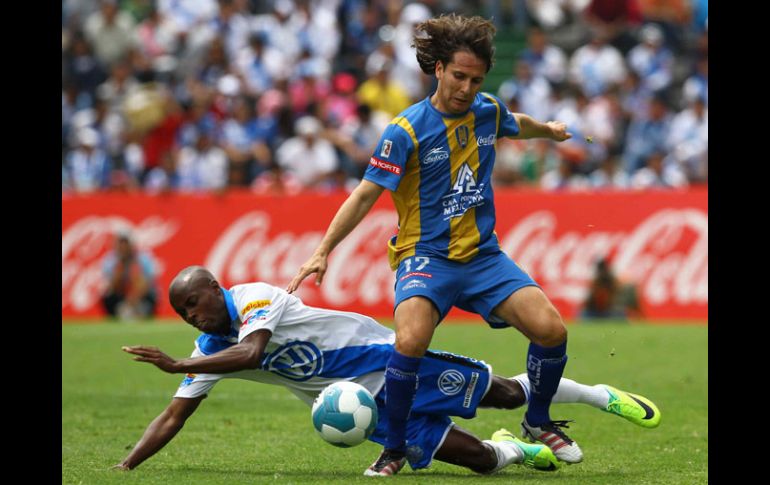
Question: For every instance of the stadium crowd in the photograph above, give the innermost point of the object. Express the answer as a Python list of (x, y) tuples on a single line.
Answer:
[(282, 96)]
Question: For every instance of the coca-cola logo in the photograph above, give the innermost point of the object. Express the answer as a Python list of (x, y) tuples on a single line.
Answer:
[(358, 268), (85, 244), (666, 256)]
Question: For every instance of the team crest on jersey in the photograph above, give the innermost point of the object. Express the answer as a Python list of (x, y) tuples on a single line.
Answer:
[(386, 146), (298, 361), (450, 382), (461, 133)]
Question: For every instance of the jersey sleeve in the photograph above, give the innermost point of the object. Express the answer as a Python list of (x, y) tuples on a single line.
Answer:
[(196, 385), (388, 162), (508, 125), (259, 306)]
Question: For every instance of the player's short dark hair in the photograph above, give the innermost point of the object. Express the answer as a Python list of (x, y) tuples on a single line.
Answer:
[(437, 39)]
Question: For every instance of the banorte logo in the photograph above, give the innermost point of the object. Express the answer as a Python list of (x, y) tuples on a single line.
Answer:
[(87, 241), (666, 255), (358, 268)]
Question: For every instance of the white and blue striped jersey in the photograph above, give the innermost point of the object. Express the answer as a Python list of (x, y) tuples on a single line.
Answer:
[(309, 349)]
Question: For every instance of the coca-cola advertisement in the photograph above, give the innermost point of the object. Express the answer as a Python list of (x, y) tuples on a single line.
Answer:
[(655, 240)]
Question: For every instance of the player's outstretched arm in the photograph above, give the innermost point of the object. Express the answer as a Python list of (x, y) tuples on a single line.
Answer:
[(160, 431), (531, 128), (352, 211), (245, 355)]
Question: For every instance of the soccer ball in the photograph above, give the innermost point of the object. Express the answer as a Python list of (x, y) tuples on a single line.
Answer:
[(344, 414)]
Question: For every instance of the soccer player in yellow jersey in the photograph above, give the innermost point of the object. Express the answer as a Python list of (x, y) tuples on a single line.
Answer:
[(436, 159)]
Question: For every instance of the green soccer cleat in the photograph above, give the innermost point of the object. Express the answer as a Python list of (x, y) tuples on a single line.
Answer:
[(635, 408), (539, 457)]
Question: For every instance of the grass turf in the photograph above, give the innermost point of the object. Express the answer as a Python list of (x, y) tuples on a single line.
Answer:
[(252, 433)]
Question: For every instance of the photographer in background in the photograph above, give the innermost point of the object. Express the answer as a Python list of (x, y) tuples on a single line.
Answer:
[(610, 297), (130, 276)]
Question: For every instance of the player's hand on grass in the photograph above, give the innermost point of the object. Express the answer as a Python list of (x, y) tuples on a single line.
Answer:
[(316, 264), (558, 131), (121, 467), (153, 355)]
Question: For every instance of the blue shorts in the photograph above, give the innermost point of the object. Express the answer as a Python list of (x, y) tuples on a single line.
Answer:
[(477, 286), (448, 385)]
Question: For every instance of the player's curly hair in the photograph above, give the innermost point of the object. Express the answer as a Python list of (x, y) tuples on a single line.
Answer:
[(437, 39)]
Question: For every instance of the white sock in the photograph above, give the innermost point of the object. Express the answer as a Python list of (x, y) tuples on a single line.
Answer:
[(570, 391), (507, 453)]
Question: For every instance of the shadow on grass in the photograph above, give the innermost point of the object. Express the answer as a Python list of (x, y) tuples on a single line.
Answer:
[(526, 475)]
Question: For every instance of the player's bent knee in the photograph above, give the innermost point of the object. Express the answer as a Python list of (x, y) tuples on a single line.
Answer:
[(415, 320), (411, 351), (411, 347), (550, 332)]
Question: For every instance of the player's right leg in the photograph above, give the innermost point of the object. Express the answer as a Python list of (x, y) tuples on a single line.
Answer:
[(425, 288), (415, 320)]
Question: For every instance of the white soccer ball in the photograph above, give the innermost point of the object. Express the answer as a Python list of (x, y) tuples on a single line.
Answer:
[(344, 414)]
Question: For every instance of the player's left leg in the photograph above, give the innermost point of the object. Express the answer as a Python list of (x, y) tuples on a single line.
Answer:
[(530, 311), (512, 393), (464, 449), (505, 295)]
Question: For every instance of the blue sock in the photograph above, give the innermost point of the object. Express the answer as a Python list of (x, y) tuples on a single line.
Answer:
[(400, 388), (545, 366)]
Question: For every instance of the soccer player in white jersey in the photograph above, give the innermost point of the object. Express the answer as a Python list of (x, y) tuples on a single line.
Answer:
[(261, 333)]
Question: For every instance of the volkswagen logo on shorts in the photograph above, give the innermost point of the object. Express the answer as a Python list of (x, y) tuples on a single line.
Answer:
[(298, 361), (450, 382)]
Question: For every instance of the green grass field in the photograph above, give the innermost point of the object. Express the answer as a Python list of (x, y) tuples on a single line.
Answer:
[(249, 433)]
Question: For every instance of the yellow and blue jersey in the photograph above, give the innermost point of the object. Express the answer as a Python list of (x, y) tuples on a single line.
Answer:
[(438, 168)]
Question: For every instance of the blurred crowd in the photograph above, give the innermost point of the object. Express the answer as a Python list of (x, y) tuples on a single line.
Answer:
[(281, 96)]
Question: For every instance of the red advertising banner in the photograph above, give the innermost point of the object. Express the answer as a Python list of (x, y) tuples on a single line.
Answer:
[(657, 239)]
